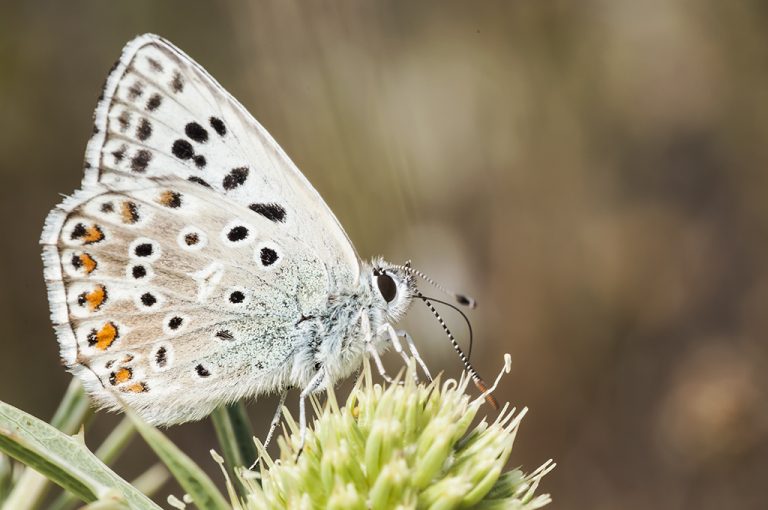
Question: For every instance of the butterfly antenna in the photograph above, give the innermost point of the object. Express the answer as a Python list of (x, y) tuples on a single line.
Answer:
[(463, 315), (462, 299), (479, 383)]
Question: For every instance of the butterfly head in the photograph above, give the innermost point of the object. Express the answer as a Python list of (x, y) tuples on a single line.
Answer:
[(393, 288)]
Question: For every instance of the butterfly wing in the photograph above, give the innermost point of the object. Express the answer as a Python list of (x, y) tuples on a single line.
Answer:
[(178, 274), (176, 299), (163, 115)]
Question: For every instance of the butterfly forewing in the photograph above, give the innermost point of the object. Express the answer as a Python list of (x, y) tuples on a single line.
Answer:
[(163, 115), (179, 274)]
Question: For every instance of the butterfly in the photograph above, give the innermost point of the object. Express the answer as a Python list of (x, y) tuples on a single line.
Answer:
[(196, 265)]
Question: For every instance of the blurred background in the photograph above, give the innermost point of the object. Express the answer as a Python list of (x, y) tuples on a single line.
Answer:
[(593, 172)]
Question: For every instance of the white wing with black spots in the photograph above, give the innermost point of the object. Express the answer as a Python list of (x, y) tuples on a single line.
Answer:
[(163, 115), (175, 298)]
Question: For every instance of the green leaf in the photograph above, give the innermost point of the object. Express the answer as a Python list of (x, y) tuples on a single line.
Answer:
[(112, 447), (235, 435), (63, 459), (189, 475), (72, 412)]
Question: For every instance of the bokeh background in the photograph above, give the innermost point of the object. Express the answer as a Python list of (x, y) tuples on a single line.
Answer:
[(593, 172)]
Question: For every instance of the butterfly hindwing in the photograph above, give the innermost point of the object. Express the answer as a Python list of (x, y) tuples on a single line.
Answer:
[(174, 298)]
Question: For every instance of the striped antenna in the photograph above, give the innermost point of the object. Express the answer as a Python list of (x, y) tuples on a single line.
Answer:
[(479, 383), (462, 299)]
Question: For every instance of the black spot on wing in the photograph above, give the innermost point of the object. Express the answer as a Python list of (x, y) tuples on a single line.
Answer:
[(182, 149), (199, 181), (119, 153), (218, 126), (154, 101), (225, 334), (268, 256), (196, 132), (155, 65), (78, 232), (161, 357), (144, 130), (236, 177), (177, 83), (141, 160), (273, 212), (135, 91), (124, 119), (147, 299), (143, 250), (191, 239), (237, 233)]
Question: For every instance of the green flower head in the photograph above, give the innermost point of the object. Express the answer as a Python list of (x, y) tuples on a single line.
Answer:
[(405, 445)]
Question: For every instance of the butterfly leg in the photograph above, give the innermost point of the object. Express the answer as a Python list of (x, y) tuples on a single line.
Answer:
[(414, 351), (379, 365), (395, 339), (314, 384), (272, 425), (365, 323)]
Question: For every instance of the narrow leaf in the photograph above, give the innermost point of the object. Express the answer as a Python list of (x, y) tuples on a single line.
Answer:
[(235, 435), (189, 475), (63, 459), (112, 447)]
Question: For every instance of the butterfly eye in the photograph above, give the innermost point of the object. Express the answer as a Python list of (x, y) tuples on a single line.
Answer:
[(387, 287)]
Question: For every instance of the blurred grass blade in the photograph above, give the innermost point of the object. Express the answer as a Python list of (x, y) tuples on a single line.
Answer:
[(73, 409), (116, 441), (235, 435), (62, 458), (189, 475), (6, 477), (150, 481)]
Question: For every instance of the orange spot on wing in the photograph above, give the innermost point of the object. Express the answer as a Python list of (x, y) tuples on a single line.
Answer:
[(94, 299), (138, 387), (93, 234), (120, 376), (103, 338), (87, 262), (170, 199), (129, 212)]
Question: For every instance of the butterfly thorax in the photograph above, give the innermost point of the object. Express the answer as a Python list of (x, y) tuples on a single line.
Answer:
[(336, 336)]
